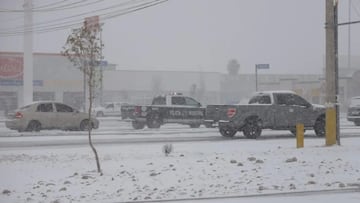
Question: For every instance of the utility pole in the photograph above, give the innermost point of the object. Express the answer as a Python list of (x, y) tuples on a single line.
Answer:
[(349, 36), (28, 54), (331, 69)]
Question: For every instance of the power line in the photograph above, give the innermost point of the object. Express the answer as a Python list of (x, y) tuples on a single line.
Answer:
[(81, 3), (44, 23), (72, 5), (72, 23), (51, 4)]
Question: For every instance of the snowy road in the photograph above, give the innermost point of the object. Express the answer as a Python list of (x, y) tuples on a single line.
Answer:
[(113, 132)]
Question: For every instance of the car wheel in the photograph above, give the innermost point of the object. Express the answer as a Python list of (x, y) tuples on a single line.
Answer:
[(138, 125), (85, 125), (227, 131), (319, 127), (252, 128), (34, 126), (100, 114), (154, 121), (195, 125)]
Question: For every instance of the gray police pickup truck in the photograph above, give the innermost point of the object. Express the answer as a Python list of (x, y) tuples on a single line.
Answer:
[(172, 108), (277, 110)]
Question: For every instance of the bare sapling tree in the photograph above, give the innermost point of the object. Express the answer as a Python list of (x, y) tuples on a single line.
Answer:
[(83, 48)]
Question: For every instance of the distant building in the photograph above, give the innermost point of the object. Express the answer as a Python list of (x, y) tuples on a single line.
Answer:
[(55, 78)]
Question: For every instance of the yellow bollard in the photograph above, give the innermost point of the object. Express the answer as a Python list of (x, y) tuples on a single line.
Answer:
[(330, 126), (299, 135)]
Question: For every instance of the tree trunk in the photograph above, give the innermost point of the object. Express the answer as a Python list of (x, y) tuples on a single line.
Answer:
[(90, 81), (95, 153)]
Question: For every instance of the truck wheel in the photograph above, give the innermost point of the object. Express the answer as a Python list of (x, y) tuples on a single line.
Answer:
[(154, 121), (252, 128), (138, 125), (319, 126), (227, 131), (195, 125)]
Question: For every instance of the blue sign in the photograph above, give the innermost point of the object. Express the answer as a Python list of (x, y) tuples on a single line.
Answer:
[(262, 66), (38, 83)]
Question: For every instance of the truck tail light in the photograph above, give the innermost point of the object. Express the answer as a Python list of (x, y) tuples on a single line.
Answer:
[(18, 115), (137, 110), (231, 112)]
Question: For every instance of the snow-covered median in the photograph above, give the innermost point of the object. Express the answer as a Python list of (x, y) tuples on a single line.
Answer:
[(200, 169)]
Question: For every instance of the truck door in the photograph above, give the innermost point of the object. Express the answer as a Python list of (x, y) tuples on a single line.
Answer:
[(185, 109), (284, 111), (291, 110), (194, 110), (269, 110), (177, 111), (303, 113)]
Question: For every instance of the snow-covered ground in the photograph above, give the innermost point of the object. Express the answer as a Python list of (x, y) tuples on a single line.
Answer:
[(136, 172)]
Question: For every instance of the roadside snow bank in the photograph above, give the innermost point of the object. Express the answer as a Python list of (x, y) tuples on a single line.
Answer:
[(201, 169)]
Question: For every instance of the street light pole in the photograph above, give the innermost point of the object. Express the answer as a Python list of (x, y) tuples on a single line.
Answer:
[(28, 88), (259, 66), (256, 79)]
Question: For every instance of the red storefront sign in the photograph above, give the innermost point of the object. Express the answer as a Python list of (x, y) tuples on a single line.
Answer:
[(11, 67)]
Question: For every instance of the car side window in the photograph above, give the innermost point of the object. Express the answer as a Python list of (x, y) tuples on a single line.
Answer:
[(46, 107), (63, 108), (178, 101)]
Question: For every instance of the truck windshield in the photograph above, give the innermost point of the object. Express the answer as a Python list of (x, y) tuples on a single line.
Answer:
[(191, 102)]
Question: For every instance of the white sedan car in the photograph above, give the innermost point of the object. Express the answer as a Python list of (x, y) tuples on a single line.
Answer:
[(49, 115)]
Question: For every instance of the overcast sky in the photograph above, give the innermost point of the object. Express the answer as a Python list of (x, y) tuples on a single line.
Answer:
[(199, 35)]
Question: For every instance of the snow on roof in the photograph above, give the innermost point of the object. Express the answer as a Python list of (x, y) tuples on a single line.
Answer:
[(274, 91)]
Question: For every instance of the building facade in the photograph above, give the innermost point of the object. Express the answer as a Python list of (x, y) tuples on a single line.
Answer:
[(55, 78)]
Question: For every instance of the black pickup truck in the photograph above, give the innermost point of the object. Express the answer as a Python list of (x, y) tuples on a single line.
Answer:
[(172, 108), (277, 110)]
